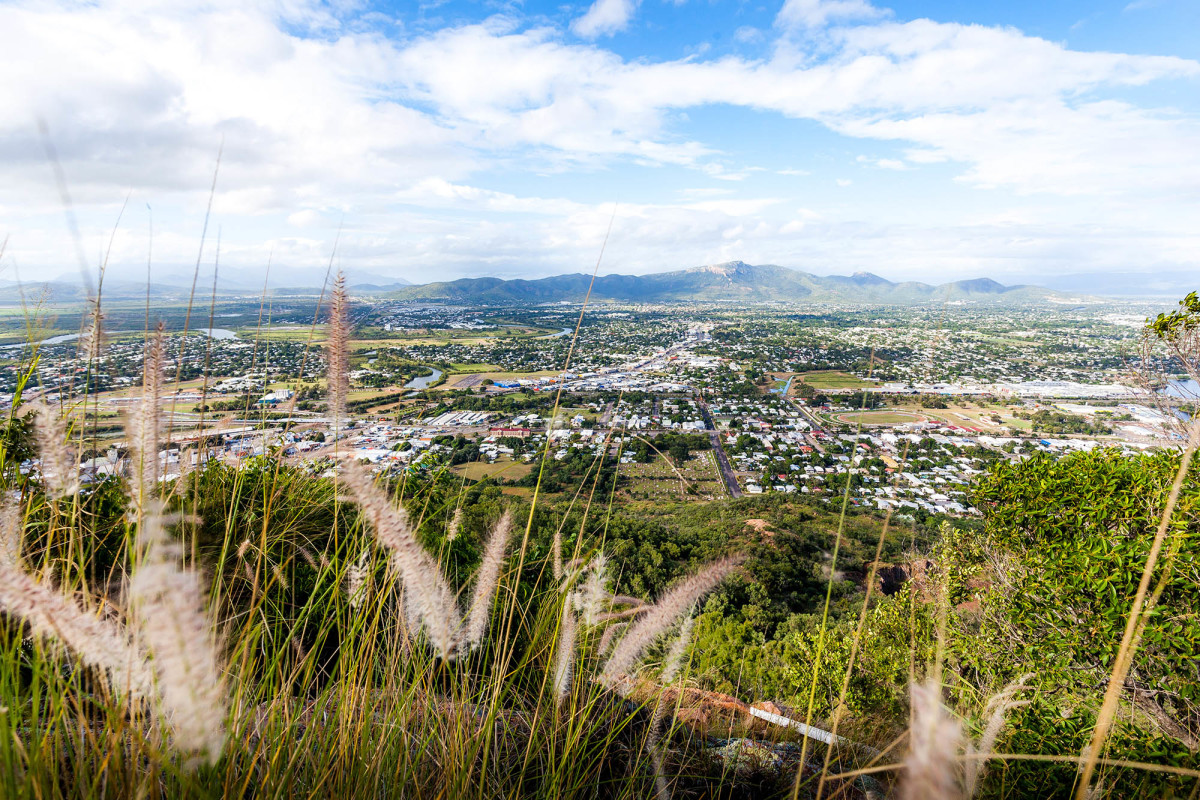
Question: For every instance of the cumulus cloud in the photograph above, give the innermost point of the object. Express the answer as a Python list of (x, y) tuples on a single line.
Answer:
[(604, 18), (818, 13)]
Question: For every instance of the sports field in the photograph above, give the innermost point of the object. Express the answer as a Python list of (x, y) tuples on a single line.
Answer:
[(879, 418)]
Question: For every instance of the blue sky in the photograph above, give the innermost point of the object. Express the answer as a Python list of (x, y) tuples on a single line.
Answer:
[(917, 140)]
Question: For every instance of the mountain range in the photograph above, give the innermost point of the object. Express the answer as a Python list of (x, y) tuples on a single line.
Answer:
[(733, 281)]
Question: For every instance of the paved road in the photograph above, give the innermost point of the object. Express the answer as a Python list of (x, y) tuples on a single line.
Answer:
[(812, 441), (808, 414), (727, 476), (731, 484)]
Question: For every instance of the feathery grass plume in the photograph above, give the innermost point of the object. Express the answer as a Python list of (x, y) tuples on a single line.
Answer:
[(660, 616), (308, 557), (338, 350), (622, 614), (486, 581), (556, 549), (678, 650), (609, 636), (407, 620), (356, 580), (144, 424), (999, 706), (91, 343), (12, 533), (564, 660), (59, 469), (96, 641), (424, 586), (455, 526), (662, 790), (595, 589), (931, 765), (168, 602), (654, 744)]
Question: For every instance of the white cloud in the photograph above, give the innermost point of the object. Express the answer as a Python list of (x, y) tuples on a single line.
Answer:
[(747, 34), (819, 13), (304, 219), (895, 164), (604, 18)]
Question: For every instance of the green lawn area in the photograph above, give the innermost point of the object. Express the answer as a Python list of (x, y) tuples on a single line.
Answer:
[(467, 369), (504, 468), (879, 418), (834, 379)]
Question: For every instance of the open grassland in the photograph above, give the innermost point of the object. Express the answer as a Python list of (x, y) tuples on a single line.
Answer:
[(832, 379), (978, 416), (503, 467)]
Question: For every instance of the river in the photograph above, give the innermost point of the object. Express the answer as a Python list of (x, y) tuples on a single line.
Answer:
[(63, 339), (424, 381), (1185, 390), (785, 388), (218, 333)]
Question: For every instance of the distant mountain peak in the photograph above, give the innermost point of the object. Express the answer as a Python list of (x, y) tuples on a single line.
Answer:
[(725, 268)]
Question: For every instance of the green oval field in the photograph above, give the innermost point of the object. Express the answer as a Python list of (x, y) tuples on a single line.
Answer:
[(879, 417)]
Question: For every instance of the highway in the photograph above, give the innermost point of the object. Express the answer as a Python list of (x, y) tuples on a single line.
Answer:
[(727, 476)]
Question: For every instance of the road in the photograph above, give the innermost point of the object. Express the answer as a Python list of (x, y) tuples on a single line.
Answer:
[(727, 476)]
